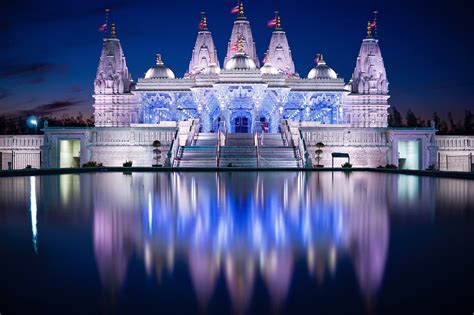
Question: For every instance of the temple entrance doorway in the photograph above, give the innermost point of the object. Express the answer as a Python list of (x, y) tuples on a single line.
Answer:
[(69, 153), (241, 122), (409, 155)]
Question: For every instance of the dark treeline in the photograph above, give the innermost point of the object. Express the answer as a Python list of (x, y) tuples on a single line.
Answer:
[(19, 125), (446, 126)]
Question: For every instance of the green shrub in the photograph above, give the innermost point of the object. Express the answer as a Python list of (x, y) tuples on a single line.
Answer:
[(90, 164), (128, 164), (432, 167), (391, 166), (346, 165)]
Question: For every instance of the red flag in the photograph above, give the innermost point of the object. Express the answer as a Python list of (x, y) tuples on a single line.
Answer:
[(272, 23), (235, 10), (103, 27), (373, 24), (235, 47), (201, 26)]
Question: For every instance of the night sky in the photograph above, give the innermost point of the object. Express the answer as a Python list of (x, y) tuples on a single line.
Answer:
[(50, 49)]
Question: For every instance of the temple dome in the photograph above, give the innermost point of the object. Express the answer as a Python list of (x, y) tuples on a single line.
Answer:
[(240, 62), (212, 69), (322, 71), (269, 69), (159, 71)]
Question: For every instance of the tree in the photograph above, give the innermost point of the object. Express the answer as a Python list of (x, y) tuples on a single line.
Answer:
[(468, 122), (394, 117), (412, 120), (157, 151), (318, 152), (452, 124)]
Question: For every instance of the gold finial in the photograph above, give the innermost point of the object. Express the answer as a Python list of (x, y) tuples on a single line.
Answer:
[(278, 21), (203, 25), (240, 44), (241, 8), (369, 30), (113, 33), (158, 59)]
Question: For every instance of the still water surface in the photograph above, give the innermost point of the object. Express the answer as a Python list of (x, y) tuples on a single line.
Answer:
[(258, 243)]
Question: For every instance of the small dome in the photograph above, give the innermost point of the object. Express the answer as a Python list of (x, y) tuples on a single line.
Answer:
[(160, 71), (268, 69), (212, 69), (322, 70), (240, 62)]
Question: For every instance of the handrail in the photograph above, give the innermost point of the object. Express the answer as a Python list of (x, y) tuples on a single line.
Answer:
[(284, 128), (304, 150), (218, 152), (173, 151), (255, 135), (191, 133)]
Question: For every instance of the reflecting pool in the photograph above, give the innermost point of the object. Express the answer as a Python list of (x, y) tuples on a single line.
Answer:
[(236, 243)]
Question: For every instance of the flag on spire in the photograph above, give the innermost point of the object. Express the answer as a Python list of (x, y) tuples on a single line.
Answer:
[(103, 27), (272, 23), (235, 10)]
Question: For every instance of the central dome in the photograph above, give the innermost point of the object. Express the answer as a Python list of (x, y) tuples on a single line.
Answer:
[(240, 62), (322, 70), (160, 71)]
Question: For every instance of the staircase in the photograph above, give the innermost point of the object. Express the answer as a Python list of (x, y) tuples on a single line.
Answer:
[(239, 150), (274, 152), (203, 152)]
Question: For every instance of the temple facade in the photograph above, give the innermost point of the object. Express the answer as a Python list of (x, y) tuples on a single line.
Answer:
[(241, 96)]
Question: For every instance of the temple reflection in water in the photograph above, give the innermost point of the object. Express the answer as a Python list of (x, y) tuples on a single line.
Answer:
[(235, 230), (241, 226)]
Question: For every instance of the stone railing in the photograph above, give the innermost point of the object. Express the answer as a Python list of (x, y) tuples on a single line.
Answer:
[(18, 152), (455, 143), (133, 136), (21, 142), (344, 137)]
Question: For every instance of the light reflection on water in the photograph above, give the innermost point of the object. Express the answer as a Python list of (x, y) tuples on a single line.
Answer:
[(239, 227)]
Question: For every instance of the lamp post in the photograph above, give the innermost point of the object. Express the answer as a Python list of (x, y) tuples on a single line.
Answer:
[(33, 122)]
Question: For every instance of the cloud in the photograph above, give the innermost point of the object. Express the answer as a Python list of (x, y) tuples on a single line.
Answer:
[(25, 70), (3, 93), (52, 108)]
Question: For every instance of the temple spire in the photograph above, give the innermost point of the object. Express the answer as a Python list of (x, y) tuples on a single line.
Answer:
[(242, 27), (279, 53), (204, 53), (369, 29)]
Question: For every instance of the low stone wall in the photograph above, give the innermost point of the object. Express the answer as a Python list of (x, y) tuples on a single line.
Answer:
[(17, 152), (455, 153), (366, 147), (110, 146)]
